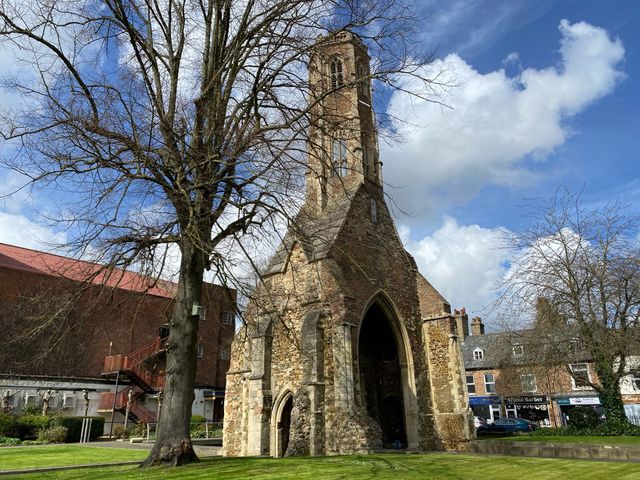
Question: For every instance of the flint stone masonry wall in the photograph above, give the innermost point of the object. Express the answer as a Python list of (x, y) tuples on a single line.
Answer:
[(312, 349), (338, 260)]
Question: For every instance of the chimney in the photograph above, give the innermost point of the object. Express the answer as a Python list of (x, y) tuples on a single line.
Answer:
[(477, 327), (462, 322)]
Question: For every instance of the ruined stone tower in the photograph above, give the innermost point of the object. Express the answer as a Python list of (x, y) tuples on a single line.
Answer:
[(347, 347)]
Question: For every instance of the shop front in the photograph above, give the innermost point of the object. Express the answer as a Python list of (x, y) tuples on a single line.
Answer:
[(632, 408), (487, 407), (566, 404), (530, 407)]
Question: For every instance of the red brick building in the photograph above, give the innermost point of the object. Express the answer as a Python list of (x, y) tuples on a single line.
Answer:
[(63, 317)]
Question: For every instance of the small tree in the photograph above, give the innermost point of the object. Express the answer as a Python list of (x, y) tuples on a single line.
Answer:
[(181, 124), (577, 280)]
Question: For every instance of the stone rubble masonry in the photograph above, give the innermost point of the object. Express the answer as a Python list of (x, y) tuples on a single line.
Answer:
[(300, 344)]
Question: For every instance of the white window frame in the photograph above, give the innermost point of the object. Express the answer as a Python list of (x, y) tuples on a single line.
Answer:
[(517, 350), (200, 350), (471, 383), (573, 380), (30, 398), (478, 354), (487, 383), (68, 401), (528, 379), (634, 379), (493, 409)]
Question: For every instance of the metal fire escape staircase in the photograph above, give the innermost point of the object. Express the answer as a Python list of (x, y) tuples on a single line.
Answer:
[(140, 369)]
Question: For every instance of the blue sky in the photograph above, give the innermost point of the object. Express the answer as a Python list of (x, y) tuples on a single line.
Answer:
[(544, 93)]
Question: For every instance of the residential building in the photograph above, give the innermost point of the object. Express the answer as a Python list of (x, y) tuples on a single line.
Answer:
[(507, 375)]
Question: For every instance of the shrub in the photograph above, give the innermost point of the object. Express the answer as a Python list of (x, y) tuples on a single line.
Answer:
[(139, 430), (583, 417), (29, 425), (120, 432), (53, 435), (199, 431), (9, 441), (8, 425), (32, 409), (197, 420), (74, 427), (608, 429)]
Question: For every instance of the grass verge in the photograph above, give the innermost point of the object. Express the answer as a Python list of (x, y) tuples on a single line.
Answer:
[(60, 455), (380, 467), (572, 439)]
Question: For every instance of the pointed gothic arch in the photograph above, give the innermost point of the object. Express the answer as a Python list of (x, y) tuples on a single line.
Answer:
[(281, 423), (381, 324), (336, 72)]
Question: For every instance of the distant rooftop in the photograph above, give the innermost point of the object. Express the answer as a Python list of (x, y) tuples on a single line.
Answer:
[(28, 260)]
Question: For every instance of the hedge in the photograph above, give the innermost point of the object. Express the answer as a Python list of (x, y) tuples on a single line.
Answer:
[(23, 427), (74, 427)]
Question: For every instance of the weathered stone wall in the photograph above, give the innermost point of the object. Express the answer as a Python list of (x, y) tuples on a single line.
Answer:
[(341, 256)]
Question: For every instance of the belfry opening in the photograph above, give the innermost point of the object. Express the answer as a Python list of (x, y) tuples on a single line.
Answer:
[(380, 376)]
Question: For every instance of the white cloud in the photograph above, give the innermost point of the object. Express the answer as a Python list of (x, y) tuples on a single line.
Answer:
[(495, 121), (17, 229), (466, 263)]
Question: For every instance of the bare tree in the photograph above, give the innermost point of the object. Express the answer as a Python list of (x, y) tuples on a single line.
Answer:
[(181, 123), (577, 279)]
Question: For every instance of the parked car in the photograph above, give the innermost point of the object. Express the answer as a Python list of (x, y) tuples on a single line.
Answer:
[(509, 425)]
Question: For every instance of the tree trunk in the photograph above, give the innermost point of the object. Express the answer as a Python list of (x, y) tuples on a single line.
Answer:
[(173, 444)]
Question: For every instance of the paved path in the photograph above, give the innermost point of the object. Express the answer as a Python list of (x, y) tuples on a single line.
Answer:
[(201, 450)]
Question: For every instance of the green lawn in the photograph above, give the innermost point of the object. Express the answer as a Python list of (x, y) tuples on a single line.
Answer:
[(572, 439), (389, 466), (13, 458)]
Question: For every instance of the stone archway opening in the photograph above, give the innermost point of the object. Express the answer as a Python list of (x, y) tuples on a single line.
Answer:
[(381, 377), (284, 426)]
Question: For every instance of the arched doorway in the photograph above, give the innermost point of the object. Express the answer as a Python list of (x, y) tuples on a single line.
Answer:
[(381, 376), (281, 425)]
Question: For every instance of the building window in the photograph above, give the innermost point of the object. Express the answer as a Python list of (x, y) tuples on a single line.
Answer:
[(68, 401), (489, 383), (361, 73), (224, 353), (229, 318), (517, 350), (339, 158), (365, 160), (576, 345), (31, 399), (478, 354), (580, 375), (528, 382), (471, 386), (337, 79), (374, 211), (200, 350), (635, 381)]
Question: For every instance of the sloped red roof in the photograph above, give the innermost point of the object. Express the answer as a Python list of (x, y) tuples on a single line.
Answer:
[(25, 259)]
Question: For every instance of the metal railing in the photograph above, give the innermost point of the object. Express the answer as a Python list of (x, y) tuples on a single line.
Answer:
[(134, 363)]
